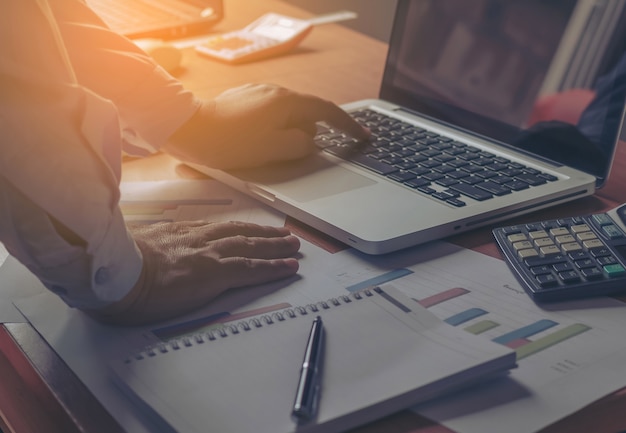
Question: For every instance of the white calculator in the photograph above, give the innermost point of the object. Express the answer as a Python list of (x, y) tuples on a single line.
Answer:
[(270, 35)]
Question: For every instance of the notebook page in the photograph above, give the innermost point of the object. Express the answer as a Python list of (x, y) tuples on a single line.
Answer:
[(378, 351)]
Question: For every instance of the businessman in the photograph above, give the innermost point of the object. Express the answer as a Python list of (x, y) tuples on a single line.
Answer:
[(75, 96)]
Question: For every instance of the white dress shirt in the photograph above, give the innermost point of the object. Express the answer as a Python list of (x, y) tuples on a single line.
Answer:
[(73, 96)]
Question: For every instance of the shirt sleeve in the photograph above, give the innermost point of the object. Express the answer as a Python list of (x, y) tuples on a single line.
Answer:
[(62, 132), (152, 104)]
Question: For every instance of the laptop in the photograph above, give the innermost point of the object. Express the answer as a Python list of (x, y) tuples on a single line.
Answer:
[(463, 135), (159, 19)]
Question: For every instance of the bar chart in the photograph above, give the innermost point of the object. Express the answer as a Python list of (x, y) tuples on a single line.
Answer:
[(526, 338)]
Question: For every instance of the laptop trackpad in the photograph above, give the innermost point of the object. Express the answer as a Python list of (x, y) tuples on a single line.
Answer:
[(304, 180)]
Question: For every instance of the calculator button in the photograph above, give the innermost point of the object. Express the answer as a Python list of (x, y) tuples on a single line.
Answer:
[(561, 267), (569, 277), (523, 254), (559, 231), (578, 255), (607, 260), (541, 261), (541, 270), (580, 228), (586, 236), (546, 281), (550, 250), (565, 239), (615, 270), (522, 245), (585, 263), (612, 232), (572, 246), (594, 244), (516, 237), (538, 234), (592, 273), (543, 242), (511, 230), (602, 219), (600, 251)]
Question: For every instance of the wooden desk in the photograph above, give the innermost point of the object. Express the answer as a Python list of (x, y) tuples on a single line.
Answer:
[(38, 393)]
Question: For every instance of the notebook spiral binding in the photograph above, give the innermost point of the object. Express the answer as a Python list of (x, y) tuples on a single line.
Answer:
[(247, 325)]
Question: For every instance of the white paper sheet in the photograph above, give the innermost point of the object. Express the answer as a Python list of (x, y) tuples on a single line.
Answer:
[(3, 254), (188, 200), (455, 282)]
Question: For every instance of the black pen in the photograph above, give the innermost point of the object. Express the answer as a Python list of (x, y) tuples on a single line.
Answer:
[(307, 394)]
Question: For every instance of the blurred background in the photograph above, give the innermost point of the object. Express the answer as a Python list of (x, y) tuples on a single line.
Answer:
[(375, 16)]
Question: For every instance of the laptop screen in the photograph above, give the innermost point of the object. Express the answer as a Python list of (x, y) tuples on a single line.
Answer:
[(548, 77)]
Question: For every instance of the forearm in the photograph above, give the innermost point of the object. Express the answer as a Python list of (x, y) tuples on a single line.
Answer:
[(151, 103), (85, 273), (59, 166)]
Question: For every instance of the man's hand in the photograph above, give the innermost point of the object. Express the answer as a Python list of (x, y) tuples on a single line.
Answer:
[(187, 264), (256, 124)]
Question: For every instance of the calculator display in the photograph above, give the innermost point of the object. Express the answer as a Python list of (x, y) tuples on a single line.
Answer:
[(277, 28)]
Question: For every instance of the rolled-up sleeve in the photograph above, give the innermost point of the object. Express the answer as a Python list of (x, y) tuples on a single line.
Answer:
[(152, 104), (63, 127)]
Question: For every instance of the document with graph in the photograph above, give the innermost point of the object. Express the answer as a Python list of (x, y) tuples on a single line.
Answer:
[(573, 349), (382, 352)]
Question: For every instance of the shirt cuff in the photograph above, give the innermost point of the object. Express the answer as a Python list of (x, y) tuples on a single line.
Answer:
[(114, 269)]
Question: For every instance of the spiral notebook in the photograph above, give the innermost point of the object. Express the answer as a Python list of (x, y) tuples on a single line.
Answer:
[(382, 353)]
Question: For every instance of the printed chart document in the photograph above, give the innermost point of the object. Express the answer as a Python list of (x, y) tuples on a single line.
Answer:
[(189, 200), (381, 353), (575, 349)]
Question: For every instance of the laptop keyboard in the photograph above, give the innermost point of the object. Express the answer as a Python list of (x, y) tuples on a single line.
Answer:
[(433, 164), (129, 15)]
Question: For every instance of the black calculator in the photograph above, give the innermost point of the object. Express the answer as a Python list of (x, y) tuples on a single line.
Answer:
[(562, 259)]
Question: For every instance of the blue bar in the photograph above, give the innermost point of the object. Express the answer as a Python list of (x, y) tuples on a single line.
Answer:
[(465, 316), (381, 279), (526, 331)]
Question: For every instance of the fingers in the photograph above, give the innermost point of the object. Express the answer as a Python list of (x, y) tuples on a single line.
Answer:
[(214, 231), (313, 109), (239, 239), (257, 248)]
